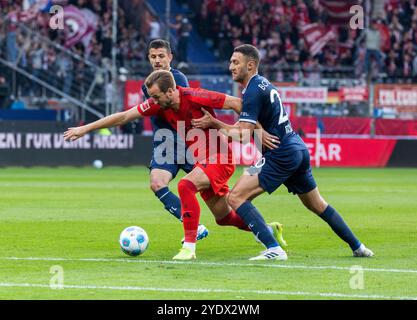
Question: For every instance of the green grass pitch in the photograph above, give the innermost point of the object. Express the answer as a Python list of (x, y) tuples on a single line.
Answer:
[(68, 220)]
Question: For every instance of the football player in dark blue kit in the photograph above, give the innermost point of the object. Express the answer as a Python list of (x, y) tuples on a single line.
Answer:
[(161, 172), (289, 164)]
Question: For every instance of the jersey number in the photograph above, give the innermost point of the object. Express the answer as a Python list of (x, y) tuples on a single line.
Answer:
[(282, 114)]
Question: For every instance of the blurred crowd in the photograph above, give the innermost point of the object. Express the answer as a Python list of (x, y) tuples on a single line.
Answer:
[(399, 52), (388, 48), (135, 28)]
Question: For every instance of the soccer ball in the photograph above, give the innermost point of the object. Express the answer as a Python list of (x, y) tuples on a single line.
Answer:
[(98, 164), (133, 241)]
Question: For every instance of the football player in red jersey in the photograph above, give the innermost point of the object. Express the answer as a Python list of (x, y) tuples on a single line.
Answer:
[(213, 165)]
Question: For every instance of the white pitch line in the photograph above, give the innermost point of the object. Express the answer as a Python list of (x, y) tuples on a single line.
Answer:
[(215, 264), (210, 290)]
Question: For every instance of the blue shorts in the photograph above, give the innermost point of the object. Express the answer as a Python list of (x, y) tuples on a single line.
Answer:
[(292, 169), (173, 168)]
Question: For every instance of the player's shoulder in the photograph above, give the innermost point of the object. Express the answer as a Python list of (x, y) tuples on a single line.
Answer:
[(258, 85), (192, 94), (180, 78), (176, 72)]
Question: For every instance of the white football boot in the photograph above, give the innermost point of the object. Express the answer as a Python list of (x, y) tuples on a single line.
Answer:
[(276, 253), (363, 251)]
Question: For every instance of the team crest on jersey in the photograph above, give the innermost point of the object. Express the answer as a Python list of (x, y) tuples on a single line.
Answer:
[(145, 106)]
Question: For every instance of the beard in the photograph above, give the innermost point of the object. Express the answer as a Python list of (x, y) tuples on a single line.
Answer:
[(240, 77)]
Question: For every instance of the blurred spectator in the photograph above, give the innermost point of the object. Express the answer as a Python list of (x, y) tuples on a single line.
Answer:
[(407, 68), (373, 48), (65, 71), (183, 27), (4, 93), (155, 29), (36, 58), (11, 37), (415, 65)]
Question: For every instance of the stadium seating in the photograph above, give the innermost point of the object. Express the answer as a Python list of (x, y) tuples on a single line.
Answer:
[(49, 66)]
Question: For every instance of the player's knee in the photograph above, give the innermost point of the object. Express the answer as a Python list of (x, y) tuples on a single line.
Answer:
[(234, 200), (157, 184), (317, 207)]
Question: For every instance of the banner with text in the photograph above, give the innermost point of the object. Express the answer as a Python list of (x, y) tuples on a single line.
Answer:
[(351, 152)]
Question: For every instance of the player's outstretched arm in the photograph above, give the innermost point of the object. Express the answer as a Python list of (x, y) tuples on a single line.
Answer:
[(240, 131), (233, 103), (115, 119)]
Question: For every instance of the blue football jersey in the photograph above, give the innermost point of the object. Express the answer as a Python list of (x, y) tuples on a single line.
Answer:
[(261, 102)]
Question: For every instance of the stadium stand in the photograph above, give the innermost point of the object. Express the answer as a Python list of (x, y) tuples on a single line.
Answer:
[(304, 43)]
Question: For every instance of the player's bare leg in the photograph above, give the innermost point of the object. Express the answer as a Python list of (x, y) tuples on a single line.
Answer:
[(159, 179), (315, 203), (246, 188)]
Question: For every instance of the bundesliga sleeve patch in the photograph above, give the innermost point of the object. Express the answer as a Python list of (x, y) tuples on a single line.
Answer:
[(145, 106)]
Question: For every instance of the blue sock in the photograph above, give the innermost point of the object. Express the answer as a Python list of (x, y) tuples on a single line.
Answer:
[(340, 227), (171, 202), (253, 218)]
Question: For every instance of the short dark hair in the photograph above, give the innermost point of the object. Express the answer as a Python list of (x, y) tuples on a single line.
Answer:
[(159, 43), (249, 51), (164, 79)]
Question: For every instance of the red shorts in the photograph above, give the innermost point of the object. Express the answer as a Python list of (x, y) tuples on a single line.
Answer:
[(219, 175)]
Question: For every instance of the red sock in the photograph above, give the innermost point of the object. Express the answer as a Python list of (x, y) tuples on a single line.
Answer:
[(190, 209), (233, 219)]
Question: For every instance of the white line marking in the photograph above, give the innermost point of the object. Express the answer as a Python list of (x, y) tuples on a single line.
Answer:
[(210, 290), (215, 264)]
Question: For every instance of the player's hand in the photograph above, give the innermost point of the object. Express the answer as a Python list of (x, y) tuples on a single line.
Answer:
[(206, 121), (270, 141), (73, 134)]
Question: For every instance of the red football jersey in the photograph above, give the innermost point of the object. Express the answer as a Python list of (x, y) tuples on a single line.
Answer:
[(191, 102)]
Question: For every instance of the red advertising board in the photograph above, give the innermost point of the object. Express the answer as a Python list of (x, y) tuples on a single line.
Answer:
[(395, 127), (332, 125), (354, 94), (351, 152), (332, 152), (303, 94), (401, 97)]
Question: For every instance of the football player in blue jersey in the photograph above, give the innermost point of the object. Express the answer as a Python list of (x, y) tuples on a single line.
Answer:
[(289, 164), (161, 173)]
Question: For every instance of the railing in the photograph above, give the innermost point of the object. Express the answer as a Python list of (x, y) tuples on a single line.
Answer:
[(39, 68)]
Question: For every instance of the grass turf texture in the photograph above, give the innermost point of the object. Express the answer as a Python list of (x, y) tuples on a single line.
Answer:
[(76, 214)]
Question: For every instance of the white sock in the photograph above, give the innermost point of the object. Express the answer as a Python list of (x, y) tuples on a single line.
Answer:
[(189, 245)]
